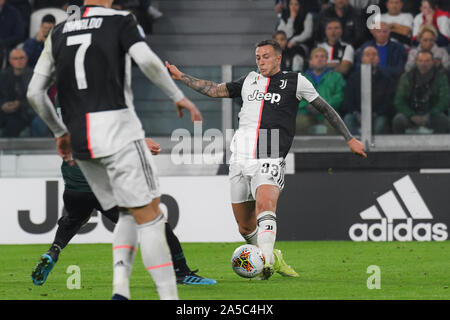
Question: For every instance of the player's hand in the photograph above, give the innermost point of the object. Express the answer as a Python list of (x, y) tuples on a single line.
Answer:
[(154, 147), (174, 72), (357, 147), (64, 148), (187, 104)]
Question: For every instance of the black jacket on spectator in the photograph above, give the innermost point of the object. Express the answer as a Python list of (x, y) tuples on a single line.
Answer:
[(383, 88), (12, 28), (13, 88), (354, 27), (49, 4)]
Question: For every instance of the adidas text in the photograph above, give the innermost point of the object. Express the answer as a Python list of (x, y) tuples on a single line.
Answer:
[(406, 231)]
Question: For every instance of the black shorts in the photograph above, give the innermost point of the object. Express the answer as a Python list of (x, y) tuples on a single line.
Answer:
[(79, 206)]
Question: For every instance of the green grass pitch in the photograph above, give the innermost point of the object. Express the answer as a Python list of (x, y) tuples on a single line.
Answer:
[(328, 270)]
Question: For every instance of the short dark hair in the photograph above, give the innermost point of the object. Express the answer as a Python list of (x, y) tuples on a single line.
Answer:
[(333, 20), (49, 18), (276, 33), (425, 52), (272, 43)]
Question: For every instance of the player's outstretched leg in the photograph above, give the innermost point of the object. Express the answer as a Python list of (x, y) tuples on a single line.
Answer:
[(266, 202), (154, 249), (124, 251), (182, 271), (77, 212)]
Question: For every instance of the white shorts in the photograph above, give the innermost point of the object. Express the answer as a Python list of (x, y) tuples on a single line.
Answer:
[(126, 179), (247, 175)]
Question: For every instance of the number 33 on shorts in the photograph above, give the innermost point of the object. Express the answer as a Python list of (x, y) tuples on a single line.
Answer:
[(275, 169)]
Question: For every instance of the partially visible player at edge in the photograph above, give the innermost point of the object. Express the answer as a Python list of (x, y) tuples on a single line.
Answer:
[(256, 172), (91, 63), (79, 203)]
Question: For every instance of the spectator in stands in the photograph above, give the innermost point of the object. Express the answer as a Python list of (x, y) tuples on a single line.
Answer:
[(24, 7), (12, 30), (329, 84), (340, 54), (50, 4), (287, 57), (427, 42), (412, 6), (308, 6), (34, 46), (431, 15), (400, 23), (297, 24), (15, 112), (354, 28), (392, 54), (145, 13), (422, 98), (383, 88)]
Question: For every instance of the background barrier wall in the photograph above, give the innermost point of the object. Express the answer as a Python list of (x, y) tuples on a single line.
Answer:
[(315, 205)]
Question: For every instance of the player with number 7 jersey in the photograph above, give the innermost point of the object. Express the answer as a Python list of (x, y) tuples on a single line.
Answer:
[(89, 57), (266, 130)]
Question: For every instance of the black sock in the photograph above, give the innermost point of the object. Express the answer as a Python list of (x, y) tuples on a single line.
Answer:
[(179, 261), (54, 251)]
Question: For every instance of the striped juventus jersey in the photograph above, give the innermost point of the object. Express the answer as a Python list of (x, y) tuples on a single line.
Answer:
[(89, 59), (268, 113)]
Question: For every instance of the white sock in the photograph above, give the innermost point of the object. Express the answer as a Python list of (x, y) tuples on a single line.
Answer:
[(267, 232), (157, 259), (251, 238), (124, 250)]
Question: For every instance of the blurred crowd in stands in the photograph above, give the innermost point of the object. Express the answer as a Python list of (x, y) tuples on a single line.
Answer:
[(407, 46), (406, 42), (24, 27)]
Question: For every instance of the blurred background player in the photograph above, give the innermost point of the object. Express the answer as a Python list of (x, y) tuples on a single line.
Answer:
[(92, 64), (256, 171), (79, 202)]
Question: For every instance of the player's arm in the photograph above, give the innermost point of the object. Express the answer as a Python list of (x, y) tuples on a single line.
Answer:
[(37, 91), (336, 121), (152, 66), (205, 87)]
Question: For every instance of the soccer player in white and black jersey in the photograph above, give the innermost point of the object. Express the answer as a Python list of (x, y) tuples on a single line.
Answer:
[(90, 59), (266, 131)]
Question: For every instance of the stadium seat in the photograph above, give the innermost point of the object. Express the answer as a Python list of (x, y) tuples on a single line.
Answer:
[(36, 18), (419, 130), (317, 129)]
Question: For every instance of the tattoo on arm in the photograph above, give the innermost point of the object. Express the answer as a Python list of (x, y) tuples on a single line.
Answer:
[(208, 88), (332, 116)]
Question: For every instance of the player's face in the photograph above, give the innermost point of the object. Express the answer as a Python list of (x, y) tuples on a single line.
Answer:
[(268, 60), (394, 6)]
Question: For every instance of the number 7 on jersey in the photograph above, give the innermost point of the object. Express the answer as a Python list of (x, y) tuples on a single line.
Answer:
[(84, 40)]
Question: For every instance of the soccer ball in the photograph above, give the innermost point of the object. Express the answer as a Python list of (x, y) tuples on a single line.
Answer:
[(247, 261)]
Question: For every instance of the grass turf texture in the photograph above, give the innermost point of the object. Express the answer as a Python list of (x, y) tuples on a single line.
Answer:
[(328, 270)]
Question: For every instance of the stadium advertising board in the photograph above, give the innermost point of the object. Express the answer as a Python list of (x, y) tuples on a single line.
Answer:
[(197, 207), (365, 206), (356, 206)]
